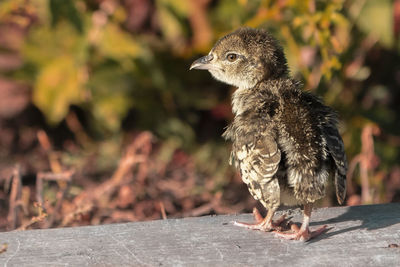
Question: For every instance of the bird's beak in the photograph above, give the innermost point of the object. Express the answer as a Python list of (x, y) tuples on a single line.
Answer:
[(203, 63)]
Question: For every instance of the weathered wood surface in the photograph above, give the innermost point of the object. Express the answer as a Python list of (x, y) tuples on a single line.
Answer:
[(359, 236)]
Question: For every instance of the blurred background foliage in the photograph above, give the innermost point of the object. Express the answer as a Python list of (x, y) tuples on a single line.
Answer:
[(81, 80)]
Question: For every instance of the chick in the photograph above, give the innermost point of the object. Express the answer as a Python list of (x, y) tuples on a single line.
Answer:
[(285, 141)]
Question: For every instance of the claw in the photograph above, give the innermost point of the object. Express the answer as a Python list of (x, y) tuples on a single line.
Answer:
[(300, 234)]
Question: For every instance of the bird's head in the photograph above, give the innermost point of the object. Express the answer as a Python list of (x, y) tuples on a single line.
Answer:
[(244, 57)]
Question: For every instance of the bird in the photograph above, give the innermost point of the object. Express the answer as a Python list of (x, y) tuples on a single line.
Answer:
[(285, 140)]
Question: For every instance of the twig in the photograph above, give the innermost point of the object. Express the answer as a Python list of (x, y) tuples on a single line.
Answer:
[(63, 179), (15, 197), (162, 209), (68, 218), (76, 127), (367, 161), (65, 176), (137, 152), (44, 140), (206, 208), (52, 156), (41, 216)]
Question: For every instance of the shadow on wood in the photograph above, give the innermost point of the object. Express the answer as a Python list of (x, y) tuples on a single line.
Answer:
[(372, 217)]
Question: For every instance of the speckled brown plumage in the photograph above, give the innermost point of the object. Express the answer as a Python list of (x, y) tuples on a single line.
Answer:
[(285, 141)]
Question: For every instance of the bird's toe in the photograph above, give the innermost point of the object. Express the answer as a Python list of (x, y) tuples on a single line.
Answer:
[(301, 234)]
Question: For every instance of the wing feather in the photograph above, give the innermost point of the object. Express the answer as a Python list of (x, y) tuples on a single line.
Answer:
[(259, 161)]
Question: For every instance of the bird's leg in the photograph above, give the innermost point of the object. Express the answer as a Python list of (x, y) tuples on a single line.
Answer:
[(264, 224), (303, 233)]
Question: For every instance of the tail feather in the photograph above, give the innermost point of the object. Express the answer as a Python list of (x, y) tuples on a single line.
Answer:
[(340, 186)]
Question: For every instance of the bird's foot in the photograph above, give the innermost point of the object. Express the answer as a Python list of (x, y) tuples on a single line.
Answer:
[(301, 234), (263, 224)]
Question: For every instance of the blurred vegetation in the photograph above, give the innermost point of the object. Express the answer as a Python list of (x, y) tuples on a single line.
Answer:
[(94, 74)]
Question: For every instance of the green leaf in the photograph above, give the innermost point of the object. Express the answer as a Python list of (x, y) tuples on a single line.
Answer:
[(65, 9), (172, 15), (381, 12), (110, 89), (117, 44), (58, 85), (46, 43), (179, 130)]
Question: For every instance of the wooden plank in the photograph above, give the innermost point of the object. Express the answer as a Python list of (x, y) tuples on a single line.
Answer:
[(360, 236)]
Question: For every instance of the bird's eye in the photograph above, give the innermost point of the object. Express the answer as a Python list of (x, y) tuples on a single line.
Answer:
[(231, 57)]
